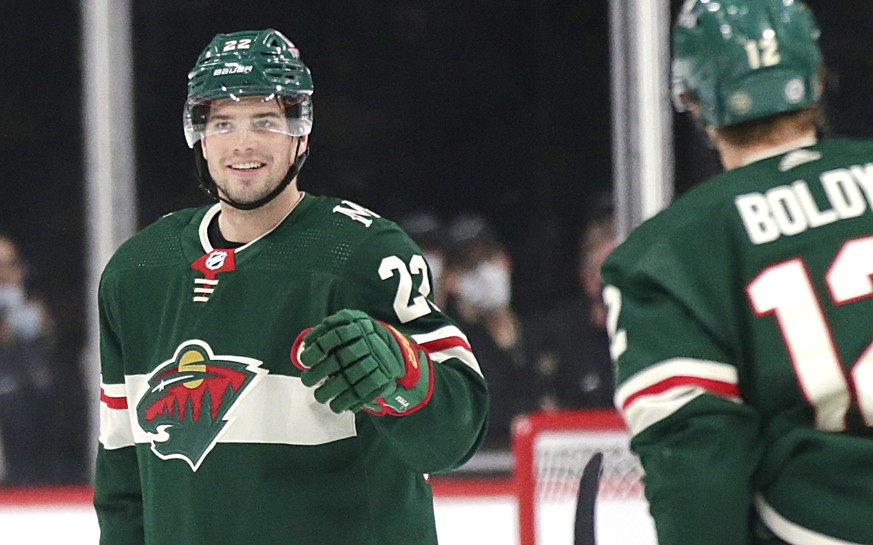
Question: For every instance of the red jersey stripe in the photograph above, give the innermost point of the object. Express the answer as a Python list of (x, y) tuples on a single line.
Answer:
[(113, 402), (717, 387), (444, 344)]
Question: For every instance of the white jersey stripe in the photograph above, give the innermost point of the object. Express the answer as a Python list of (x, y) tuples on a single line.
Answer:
[(312, 423), (460, 353), (115, 428), (653, 408), (676, 367), (445, 332), (115, 431), (658, 391), (113, 390), (791, 532)]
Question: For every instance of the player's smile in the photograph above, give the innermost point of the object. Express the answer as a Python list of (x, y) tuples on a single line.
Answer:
[(246, 169), (249, 167), (247, 175)]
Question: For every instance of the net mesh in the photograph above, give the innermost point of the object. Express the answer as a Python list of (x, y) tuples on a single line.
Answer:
[(551, 451), (560, 457)]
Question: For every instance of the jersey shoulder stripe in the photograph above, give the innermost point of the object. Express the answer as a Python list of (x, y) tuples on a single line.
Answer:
[(448, 342), (660, 390)]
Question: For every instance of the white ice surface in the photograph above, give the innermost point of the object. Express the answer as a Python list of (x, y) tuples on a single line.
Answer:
[(487, 520)]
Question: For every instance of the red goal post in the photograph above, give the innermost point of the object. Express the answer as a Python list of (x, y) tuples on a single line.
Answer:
[(550, 450)]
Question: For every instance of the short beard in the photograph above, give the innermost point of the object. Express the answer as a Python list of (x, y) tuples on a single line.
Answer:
[(250, 196)]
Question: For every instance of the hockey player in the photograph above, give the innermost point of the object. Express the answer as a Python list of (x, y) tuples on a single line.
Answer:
[(740, 316), (273, 367)]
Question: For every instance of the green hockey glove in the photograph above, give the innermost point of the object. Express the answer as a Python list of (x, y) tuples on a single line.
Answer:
[(356, 363)]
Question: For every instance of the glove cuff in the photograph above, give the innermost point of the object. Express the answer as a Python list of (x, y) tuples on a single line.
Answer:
[(296, 348), (414, 388), (411, 365)]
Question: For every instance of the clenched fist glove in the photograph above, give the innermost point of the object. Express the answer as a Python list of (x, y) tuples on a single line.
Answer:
[(356, 363)]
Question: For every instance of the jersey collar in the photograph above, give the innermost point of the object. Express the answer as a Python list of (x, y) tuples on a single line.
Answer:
[(804, 142), (203, 230)]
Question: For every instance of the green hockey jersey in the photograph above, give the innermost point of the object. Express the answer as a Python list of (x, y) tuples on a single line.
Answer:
[(208, 436), (740, 323)]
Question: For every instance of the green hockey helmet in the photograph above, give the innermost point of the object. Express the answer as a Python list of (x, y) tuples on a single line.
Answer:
[(740, 60), (249, 63)]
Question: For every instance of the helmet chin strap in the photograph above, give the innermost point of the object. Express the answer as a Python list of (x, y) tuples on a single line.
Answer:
[(208, 185)]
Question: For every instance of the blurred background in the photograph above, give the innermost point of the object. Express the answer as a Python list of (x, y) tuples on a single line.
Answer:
[(495, 109)]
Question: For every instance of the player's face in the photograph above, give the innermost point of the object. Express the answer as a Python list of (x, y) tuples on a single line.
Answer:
[(247, 153)]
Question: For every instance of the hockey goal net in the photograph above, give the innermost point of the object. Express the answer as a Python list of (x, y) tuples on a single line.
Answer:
[(550, 451)]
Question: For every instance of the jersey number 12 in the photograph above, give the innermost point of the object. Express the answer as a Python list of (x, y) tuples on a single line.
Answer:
[(786, 291)]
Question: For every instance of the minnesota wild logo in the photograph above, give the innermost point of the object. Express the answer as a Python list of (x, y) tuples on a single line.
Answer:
[(190, 400)]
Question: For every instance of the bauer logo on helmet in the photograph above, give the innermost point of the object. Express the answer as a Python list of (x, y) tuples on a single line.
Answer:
[(238, 69)]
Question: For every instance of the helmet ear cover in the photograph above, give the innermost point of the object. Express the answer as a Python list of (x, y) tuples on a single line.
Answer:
[(739, 60)]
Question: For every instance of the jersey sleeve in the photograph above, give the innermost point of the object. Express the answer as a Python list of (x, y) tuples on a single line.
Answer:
[(389, 279), (678, 390), (117, 492)]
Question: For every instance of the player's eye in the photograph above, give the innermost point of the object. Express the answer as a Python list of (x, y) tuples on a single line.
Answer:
[(220, 126), (264, 124)]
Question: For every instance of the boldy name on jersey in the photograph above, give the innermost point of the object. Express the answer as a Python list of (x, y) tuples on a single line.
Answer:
[(788, 210)]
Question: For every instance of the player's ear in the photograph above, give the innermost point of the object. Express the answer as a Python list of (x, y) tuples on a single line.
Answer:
[(203, 148)]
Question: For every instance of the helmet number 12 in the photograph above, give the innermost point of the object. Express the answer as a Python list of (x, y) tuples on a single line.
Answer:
[(763, 53)]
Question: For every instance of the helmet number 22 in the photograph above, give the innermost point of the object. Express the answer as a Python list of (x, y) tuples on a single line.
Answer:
[(233, 45), (763, 53), (786, 291)]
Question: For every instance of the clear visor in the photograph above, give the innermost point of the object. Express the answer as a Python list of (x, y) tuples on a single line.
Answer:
[(264, 115)]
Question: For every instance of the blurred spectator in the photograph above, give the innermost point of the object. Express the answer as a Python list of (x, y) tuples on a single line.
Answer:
[(426, 229), (570, 346), (478, 281), (26, 378), (597, 243)]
